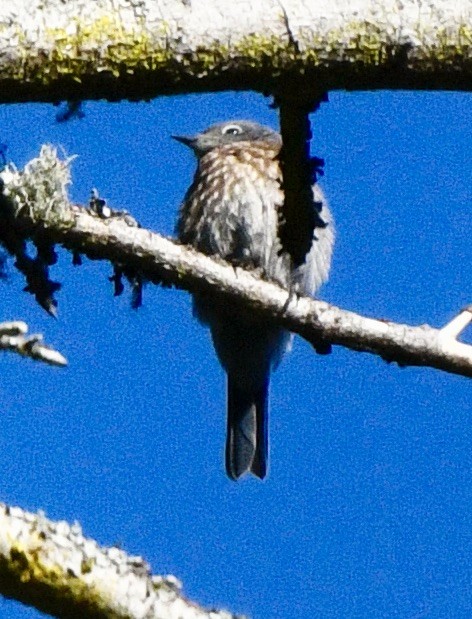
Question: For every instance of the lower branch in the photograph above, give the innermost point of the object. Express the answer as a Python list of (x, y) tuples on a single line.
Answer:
[(53, 567)]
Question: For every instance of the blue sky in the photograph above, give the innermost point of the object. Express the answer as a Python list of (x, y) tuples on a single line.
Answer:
[(367, 510)]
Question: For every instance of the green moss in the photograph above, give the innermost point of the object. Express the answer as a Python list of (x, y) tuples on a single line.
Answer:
[(106, 45)]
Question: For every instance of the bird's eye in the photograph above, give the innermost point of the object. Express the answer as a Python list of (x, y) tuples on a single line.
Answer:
[(232, 130)]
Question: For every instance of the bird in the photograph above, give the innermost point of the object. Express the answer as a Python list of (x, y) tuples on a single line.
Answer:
[(232, 210)]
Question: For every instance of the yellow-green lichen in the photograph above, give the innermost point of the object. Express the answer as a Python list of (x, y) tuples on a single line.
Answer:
[(107, 46), (48, 587)]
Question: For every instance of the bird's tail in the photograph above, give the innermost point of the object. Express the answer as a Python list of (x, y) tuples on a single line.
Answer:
[(247, 435)]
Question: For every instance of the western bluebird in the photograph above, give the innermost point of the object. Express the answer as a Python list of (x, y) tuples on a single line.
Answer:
[(233, 210)]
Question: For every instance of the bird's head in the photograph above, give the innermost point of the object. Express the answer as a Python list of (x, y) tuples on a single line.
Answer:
[(227, 133)]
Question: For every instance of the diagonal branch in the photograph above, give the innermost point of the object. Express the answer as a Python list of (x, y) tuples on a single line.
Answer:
[(163, 261), (55, 568)]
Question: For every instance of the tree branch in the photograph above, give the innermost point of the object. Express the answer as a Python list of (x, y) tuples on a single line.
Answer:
[(55, 50), (53, 567), (163, 261), (13, 338)]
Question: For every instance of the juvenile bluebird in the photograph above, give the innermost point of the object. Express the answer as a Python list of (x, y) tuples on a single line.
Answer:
[(233, 210)]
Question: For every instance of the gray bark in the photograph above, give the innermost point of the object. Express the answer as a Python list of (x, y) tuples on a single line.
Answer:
[(52, 50), (54, 567)]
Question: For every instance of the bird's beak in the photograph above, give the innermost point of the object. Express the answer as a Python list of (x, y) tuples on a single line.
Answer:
[(188, 140)]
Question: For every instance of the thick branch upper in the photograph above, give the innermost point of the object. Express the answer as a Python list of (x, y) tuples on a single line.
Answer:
[(120, 50)]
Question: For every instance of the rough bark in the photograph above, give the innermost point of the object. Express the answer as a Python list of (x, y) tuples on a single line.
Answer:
[(52, 50), (54, 567)]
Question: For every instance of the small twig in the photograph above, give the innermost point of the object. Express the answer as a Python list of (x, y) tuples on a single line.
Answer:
[(13, 338), (455, 327)]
